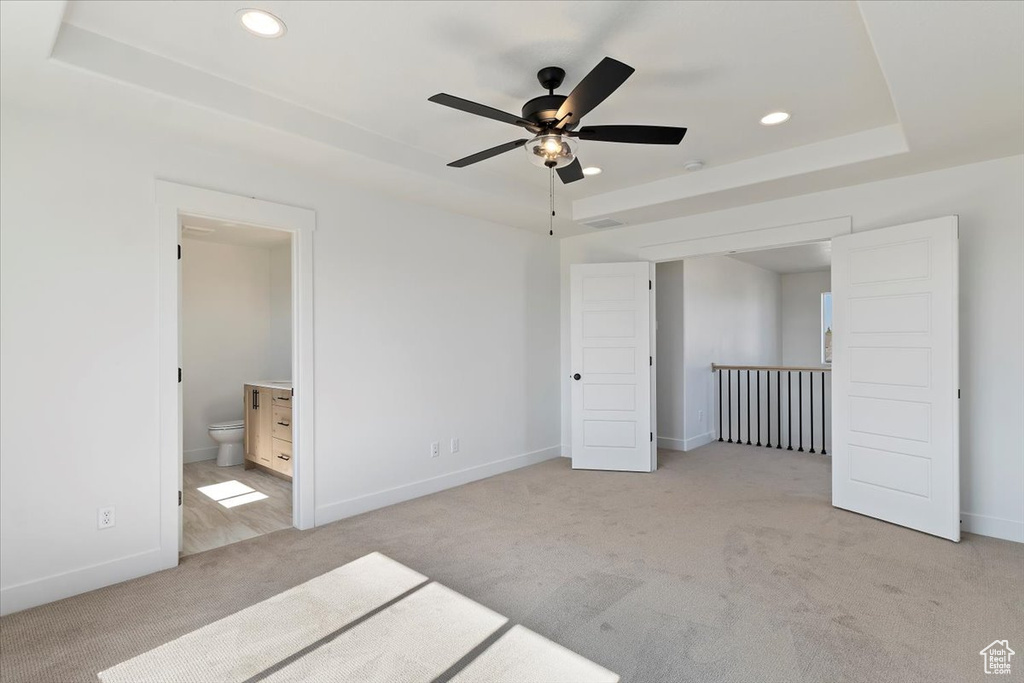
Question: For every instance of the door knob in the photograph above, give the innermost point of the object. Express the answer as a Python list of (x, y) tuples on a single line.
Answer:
[(576, 376)]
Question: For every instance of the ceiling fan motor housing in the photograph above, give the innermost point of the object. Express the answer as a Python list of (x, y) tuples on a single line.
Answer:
[(543, 109)]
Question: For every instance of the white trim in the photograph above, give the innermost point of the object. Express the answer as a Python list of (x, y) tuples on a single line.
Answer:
[(996, 527), (690, 444), (698, 441), (750, 240), (332, 512), (75, 581), (200, 454), (173, 199), (668, 443)]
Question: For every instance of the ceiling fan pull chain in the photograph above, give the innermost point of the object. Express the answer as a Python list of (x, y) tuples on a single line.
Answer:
[(551, 199)]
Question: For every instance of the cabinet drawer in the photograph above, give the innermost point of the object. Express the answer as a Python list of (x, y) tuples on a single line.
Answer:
[(282, 426), (282, 457), (283, 397)]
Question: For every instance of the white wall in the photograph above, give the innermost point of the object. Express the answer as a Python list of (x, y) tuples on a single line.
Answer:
[(718, 310), (428, 325), (801, 316), (281, 312), (232, 309), (989, 199)]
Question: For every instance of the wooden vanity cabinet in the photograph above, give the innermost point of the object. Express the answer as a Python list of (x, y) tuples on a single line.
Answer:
[(268, 434)]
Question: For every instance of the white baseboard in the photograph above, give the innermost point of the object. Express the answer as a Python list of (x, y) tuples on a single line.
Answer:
[(668, 443), (332, 512), (996, 527), (674, 444), (199, 454), (76, 581), (698, 441)]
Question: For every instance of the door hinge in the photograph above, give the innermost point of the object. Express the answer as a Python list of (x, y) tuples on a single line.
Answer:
[(958, 393), (650, 284), (179, 375), (179, 497), (652, 437), (179, 252), (652, 361)]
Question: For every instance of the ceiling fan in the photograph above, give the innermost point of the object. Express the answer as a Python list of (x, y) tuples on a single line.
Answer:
[(553, 120)]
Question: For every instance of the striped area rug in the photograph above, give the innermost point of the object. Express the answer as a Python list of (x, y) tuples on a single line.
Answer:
[(373, 619)]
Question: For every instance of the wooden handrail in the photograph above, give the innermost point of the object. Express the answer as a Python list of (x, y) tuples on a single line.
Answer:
[(794, 368)]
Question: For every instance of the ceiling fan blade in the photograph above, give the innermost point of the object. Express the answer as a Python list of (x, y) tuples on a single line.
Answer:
[(641, 135), (488, 153), (571, 173), (595, 87), (481, 110)]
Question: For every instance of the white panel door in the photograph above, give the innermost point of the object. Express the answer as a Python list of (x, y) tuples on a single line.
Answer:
[(610, 321), (895, 376)]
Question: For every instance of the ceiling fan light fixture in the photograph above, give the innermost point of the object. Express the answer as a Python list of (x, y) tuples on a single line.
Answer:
[(261, 23), (551, 150), (775, 118)]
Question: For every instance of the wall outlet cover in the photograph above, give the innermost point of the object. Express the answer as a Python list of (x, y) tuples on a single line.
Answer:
[(105, 518), (455, 446), (435, 449)]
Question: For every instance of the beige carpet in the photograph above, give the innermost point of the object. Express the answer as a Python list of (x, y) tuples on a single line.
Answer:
[(727, 564)]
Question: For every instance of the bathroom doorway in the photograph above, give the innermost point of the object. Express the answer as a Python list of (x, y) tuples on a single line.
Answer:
[(236, 351), (176, 205)]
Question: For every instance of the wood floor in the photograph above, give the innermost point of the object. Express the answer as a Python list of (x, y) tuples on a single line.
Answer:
[(208, 524)]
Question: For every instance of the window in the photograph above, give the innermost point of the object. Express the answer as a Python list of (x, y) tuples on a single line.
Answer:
[(826, 327)]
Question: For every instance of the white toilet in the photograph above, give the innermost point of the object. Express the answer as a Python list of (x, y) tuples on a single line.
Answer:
[(230, 436)]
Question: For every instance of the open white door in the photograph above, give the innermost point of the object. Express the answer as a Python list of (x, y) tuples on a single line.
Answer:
[(610, 321), (895, 376)]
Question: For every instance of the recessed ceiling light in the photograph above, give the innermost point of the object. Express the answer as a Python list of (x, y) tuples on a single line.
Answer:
[(261, 23), (775, 118), (694, 165), (591, 170)]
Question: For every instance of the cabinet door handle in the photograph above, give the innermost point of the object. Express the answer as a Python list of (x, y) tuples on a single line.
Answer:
[(282, 398), (285, 424), (285, 457)]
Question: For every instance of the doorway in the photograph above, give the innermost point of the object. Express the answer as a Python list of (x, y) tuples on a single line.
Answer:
[(742, 347), (236, 332), (895, 362), (180, 205)]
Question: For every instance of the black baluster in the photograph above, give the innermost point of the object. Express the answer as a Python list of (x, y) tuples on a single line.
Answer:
[(748, 408), (778, 407), (810, 403), (758, 407), (800, 405), (721, 397), (823, 451), (768, 417), (789, 404), (728, 386)]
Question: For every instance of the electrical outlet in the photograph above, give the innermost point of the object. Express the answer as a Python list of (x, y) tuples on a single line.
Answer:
[(105, 518), (455, 445), (435, 449)]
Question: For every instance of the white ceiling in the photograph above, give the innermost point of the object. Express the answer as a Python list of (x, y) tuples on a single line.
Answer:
[(375, 64), (222, 232), (802, 258), (876, 89)]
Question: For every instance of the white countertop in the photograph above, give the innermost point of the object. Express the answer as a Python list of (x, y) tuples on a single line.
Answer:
[(271, 384)]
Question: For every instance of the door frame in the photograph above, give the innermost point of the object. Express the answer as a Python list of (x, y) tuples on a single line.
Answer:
[(172, 201)]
